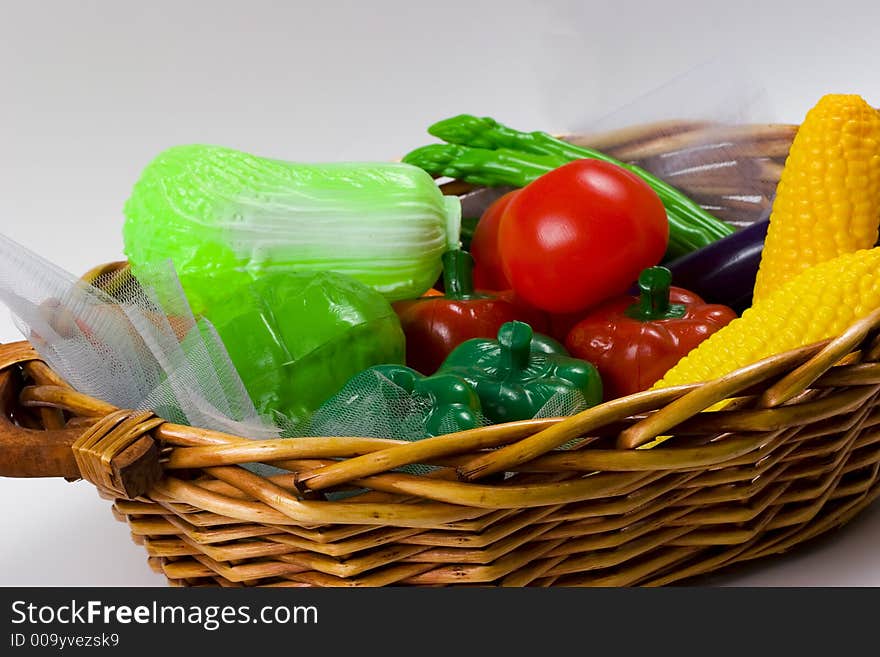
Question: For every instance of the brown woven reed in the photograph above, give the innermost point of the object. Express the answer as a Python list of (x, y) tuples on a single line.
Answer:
[(796, 455)]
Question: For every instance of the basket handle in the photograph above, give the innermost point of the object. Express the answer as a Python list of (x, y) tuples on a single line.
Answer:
[(29, 452), (116, 452), (32, 453)]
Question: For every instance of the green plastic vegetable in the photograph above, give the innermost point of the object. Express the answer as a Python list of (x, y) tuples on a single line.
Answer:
[(485, 152), (225, 218), (416, 406), (517, 374), (296, 338), (483, 166), (450, 404)]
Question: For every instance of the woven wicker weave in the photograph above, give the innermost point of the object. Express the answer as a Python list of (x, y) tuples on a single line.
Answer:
[(796, 455)]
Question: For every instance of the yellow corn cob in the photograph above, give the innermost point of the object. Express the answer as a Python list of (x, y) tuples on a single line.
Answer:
[(819, 303), (828, 198)]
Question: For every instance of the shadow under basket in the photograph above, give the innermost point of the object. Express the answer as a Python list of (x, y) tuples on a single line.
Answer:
[(797, 454)]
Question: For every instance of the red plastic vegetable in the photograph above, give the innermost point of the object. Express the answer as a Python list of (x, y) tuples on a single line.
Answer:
[(633, 341), (581, 234), (436, 325), (488, 272)]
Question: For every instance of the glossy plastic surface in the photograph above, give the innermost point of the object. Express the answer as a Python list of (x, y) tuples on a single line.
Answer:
[(634, 340), (296, 339), (581, 234), (518, 373), (488, 269), (724, 272), (441, 403), (226, 218), (435, 325)]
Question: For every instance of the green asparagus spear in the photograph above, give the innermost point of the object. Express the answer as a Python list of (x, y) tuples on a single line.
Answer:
[(485, 132), (689, 224), (481, 166), (493, 168)]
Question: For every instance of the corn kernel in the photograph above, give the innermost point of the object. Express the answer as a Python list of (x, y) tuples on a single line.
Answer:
[(828, 198), (820, 302)]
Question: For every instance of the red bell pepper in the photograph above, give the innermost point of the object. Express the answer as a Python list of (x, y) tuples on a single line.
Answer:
[(436, 325), (633, 341)]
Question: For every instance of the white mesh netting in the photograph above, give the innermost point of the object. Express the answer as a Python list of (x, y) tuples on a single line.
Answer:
[(140, 348), (137, 345)]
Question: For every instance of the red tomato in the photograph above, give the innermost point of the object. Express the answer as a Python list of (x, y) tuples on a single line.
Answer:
[(488, 272), (580, 234)]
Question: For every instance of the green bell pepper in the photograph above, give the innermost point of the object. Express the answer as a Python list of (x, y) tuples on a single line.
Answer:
[(517, 374), (445, 403), (297, 337), (395, 401)]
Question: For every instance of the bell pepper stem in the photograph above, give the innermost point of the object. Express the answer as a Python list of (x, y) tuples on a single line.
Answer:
[(458, 274), (515, 339), (653, 303)]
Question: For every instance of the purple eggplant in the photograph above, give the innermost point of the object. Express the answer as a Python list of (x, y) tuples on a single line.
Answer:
[(724, 272)]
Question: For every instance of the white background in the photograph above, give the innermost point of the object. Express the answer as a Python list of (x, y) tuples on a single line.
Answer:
[(90, 91)]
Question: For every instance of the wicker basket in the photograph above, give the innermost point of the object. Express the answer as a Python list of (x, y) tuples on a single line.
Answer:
[(795, 456)]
